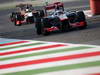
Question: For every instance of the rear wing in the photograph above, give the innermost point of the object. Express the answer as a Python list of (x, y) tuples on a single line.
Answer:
[(24, 6), (54, 5)]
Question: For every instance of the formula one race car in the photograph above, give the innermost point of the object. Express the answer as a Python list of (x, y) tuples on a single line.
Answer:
[(60, 20), (25, 14)]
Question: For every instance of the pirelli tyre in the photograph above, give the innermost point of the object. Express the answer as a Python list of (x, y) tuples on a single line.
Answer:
[(36, 15), (38, 26), (17, 23), (72, 17), (18, 19), (65, 26), (12, 16), (30, 20), (44, 26), (81, 18), (41, 12)]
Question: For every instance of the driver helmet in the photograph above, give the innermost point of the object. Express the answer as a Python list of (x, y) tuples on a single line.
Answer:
[(27, 10), (60, 12)]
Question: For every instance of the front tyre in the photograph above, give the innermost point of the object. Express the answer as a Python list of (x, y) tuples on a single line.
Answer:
[(38, 26), (65, 26), (44, 26)]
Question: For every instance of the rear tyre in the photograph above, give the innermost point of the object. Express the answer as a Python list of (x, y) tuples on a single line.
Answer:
[(72, 17), (82, 18), (18, 17), (84, 26), (15, 23), (42, 14)]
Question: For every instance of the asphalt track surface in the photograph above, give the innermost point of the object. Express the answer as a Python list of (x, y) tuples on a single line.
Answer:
[(91, 35)]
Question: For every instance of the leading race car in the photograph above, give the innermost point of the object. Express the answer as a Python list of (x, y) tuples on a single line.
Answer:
[(60, 20)]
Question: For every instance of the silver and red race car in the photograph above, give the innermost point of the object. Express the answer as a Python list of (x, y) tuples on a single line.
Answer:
[(57, 19), (25, 13)]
